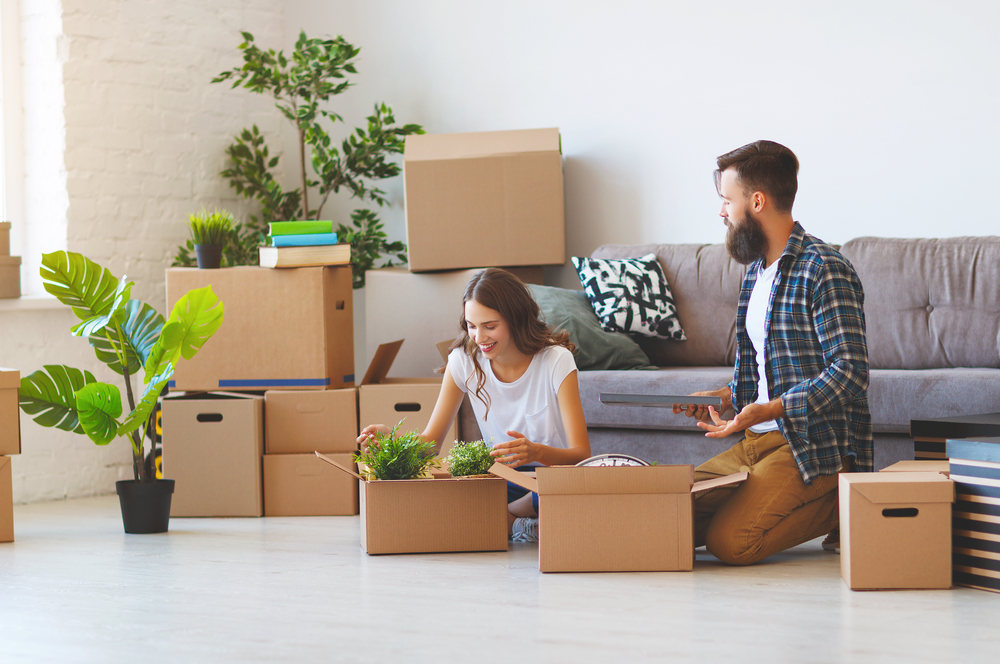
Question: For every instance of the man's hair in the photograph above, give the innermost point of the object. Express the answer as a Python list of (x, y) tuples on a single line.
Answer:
[(764, 166)]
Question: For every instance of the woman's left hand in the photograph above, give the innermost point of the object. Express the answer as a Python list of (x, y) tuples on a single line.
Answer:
[(516, 452)]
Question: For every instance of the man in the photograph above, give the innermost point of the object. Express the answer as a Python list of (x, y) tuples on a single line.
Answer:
[(800, 388)]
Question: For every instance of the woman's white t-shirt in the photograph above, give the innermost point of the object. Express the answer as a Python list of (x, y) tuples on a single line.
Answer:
[(529, 405)]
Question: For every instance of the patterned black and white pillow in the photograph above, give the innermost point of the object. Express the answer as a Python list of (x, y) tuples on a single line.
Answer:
[(630, 295)]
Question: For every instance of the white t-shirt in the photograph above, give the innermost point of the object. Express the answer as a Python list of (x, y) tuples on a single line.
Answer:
[(756, 321), (529, 405)]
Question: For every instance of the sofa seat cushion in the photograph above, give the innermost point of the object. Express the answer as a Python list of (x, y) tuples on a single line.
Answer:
[(897, 396)]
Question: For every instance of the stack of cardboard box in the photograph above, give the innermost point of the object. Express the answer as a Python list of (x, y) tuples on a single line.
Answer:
[(10, 266), (10, 443)]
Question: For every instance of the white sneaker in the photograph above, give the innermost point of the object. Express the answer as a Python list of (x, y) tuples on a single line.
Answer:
[(524, 529)]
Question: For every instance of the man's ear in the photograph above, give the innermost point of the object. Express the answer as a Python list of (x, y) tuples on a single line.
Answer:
[(757, 201)]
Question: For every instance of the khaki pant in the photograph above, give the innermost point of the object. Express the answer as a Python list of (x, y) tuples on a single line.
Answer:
[(771, 511)]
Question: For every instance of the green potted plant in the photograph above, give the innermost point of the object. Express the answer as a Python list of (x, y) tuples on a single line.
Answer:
[(127, 335), (397, 456), (209, 234), (310, 76), (469, 458)]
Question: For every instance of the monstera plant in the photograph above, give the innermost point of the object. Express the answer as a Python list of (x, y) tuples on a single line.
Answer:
[(128, 335)]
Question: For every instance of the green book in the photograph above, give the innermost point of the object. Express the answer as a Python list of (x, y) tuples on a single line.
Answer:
[(300, 227)]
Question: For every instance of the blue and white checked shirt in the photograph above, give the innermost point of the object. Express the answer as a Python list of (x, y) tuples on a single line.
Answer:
[(816, 355)]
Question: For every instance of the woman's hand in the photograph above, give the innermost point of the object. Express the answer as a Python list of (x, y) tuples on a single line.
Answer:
[(368, 435), (516, 452)]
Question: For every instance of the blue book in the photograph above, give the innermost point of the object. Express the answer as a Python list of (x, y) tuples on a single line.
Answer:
[(308, 240)]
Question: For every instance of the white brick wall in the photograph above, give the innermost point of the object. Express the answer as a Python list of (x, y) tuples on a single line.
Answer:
[(125, 138)]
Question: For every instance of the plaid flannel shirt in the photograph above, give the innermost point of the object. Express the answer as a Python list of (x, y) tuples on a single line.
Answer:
[(816, 355)]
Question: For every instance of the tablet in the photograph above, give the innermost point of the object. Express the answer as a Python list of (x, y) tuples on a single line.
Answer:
[(658, 400)]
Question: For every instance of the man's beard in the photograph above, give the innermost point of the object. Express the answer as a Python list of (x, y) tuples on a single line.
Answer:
[(745, 241)]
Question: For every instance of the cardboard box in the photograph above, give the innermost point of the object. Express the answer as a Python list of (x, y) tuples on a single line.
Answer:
[(6, 501), (430, 303), (440, 515), (303, 422), (302, 485), (918, 466), (10, 277), (895, 530), (289, 329), (974, 464), (212, 449), (388, 400), (10, 415), (615, 518), (482, 199), (4, 238)]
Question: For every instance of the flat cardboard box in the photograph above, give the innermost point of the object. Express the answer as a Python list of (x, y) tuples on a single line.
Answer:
[(388, 400), (289, 329), (212, 449), (306, 421), (302, 485), (10, 277), (10, 415), (615, 519), (484, 199), (439, 515), (4, 238), (918, 466), (895, 530), (6, 501), (431, 305)]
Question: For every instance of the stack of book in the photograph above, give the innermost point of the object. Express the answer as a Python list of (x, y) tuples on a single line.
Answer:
[(304, 243)]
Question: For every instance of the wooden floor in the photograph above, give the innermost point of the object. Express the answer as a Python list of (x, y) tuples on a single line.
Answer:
[(75, 588)]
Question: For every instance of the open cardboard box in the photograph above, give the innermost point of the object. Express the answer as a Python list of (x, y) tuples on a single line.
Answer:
[(437, 515), (895, 530), (615, 519), (386, 401), (10, 416)]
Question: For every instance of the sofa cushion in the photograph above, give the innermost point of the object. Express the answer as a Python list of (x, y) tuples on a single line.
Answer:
[(930, 303), (630, 295), (705, 283), (595, 348)]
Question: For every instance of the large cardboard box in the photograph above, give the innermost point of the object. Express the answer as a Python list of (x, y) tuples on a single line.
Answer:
[(895, 530), (974, 465), (303, 422), (289, 329), (302, 485), (10, 416), (6, 501), (386, 401), (481, 199), (430, 303), (439, 515), (212, 449), (10, 276), (615, 518)]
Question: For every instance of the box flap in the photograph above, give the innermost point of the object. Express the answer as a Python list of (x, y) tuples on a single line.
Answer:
[(379, 367), (725, 480), (615, 480), (901, 488), (427, 147), (341, 467), (443, 347), (10, 378), (523, 480)]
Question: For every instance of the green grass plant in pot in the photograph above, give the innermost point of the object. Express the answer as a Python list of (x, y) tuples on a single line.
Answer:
[(470, 458), (397, 456), (128, 335), (209, 234)]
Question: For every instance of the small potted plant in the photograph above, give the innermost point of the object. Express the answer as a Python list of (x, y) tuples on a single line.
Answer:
[(470, 458), (209, 232), (127, 335), (397, 456)]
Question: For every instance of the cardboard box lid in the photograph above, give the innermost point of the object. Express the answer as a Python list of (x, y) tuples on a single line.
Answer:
[(573, 480), (919, 466), (427, 147), (916, 487), (379, 367), (10, 378)]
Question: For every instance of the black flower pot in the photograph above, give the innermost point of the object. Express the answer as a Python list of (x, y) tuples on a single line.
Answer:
[(209, 256), (145, 505)]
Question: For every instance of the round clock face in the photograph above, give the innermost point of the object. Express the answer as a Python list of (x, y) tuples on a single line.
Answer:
[(613, 460)]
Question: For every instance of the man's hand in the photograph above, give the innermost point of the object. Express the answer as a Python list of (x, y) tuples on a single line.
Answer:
[(754, 413), (701, 413)]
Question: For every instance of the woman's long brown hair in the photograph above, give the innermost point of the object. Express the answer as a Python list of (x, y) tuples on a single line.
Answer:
[(501, 291)]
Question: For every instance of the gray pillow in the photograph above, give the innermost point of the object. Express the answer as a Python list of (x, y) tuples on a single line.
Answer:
[(596, 349)]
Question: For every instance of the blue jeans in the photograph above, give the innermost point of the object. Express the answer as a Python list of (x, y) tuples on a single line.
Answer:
[(514, 491)]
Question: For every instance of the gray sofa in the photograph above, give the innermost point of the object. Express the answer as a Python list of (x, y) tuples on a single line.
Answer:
[(932, 309)]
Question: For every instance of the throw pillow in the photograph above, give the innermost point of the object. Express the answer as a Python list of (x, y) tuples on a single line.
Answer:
[(596, 350), (631, 295)]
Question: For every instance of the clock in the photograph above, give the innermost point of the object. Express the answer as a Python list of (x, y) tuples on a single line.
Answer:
[(613, 460)]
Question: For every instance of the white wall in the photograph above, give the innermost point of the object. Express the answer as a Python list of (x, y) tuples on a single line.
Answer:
[(891, 106)]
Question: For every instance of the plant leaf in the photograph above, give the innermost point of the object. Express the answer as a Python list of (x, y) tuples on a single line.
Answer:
[(166, 352), (199, 313), (50, 393), (99, 405), (144, 408), (141, 325), (95, 324), (79, 282)]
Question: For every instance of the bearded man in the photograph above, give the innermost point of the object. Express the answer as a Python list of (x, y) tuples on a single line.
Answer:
[(800, 385)]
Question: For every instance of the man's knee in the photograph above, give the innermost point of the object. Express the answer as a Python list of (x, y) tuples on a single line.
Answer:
[(734, 548)]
